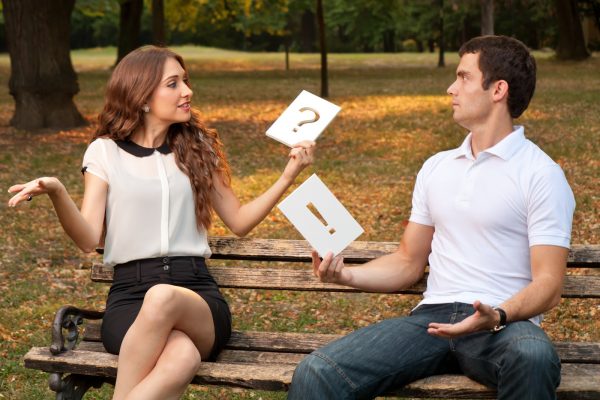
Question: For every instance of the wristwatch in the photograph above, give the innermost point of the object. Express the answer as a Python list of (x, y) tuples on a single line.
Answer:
[(502, 324)]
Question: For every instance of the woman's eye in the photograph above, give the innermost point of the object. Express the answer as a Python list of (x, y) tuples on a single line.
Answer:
[(172, 85)]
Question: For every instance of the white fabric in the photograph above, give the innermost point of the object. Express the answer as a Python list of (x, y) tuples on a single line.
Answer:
[(150, 205), (487, 213)]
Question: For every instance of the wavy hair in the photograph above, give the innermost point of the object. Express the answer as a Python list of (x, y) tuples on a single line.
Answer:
[(198, 150)]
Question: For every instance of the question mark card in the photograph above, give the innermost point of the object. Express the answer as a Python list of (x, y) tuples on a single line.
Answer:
[(320, 217), (304, 119)]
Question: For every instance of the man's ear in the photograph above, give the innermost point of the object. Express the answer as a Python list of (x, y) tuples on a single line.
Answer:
[(500, 90)]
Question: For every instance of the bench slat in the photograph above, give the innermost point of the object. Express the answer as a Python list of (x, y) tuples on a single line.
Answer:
[(358, 252), (579, 381), (293, 342), (587, 286)]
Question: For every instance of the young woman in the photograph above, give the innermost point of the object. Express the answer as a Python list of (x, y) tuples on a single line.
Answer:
[(153, 175)]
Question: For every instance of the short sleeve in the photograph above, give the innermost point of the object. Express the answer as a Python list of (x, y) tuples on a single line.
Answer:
[(420, 209), (550, 208), (94, 160)]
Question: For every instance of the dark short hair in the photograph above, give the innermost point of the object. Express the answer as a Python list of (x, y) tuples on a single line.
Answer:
[(508, 59)]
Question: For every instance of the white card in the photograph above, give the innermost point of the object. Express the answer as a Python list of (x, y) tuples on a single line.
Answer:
[(304, 119), (333, 230)]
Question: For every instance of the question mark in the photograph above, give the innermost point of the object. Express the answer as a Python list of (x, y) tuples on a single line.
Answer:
[(307, 121)]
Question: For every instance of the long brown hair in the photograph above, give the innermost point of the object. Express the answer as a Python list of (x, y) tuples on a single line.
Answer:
[(198, 150)]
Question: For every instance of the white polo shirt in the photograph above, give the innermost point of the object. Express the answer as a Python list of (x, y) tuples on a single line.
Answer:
[(150, 210), (487, 213)]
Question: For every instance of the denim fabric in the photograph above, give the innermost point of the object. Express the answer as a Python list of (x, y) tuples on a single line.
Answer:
[(520, 361)]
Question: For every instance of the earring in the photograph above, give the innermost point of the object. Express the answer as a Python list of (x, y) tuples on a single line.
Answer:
[(146, 108)]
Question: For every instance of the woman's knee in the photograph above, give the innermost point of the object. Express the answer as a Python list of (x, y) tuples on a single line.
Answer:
[(159, 303), (180, 359)]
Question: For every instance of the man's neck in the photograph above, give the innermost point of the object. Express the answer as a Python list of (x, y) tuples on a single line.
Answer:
[(490, 134)]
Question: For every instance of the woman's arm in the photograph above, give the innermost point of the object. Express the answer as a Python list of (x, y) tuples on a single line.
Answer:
[(83, 227), (241, 219)]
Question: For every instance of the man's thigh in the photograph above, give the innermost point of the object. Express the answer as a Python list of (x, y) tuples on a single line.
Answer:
[(481, 356), (391, 353)]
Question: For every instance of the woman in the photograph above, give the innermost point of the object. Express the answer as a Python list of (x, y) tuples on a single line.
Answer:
[(153, 174)]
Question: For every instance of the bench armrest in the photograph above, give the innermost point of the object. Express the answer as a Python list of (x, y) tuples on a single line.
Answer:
[(69, 318)]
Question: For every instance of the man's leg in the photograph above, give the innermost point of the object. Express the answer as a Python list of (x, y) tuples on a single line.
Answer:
[(520, 361), (374, 359)]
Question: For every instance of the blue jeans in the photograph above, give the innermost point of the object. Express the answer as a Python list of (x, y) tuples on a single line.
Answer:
[(519, 361)]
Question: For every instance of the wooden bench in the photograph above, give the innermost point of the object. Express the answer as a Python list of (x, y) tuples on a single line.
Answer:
[(266, 360)]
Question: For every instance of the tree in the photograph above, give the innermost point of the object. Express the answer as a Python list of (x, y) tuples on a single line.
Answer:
[(323, 48), (571, 43), (441, 61), (42, 79), (158, 23), (130, 20), (487, 17)]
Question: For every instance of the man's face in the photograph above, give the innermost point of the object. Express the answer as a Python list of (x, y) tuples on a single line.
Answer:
[(470, 102)]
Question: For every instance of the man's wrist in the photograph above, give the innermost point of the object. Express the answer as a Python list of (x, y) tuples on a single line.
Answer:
[(501, 324)]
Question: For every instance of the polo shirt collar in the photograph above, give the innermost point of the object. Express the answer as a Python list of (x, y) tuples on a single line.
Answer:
[(504, 149), (140, 151)]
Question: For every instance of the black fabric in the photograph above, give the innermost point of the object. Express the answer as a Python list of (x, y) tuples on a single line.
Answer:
[(133, 279), (140, 151)]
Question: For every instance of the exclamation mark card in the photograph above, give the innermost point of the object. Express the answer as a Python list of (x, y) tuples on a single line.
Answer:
[(304, 119), (320, 217)]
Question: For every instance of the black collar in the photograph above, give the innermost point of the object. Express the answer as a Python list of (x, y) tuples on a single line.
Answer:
[(140, 151)]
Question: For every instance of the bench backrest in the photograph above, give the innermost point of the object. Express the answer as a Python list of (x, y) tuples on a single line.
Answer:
[(300, 277)]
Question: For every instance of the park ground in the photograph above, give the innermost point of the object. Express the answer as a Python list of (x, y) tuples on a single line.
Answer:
[(395, 114)]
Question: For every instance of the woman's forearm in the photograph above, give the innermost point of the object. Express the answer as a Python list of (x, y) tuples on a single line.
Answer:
[(72, 221)]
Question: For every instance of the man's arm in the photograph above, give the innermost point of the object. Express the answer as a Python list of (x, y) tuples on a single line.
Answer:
[(395, 271), (548, 266)]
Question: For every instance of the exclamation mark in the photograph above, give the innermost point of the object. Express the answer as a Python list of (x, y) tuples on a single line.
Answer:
[(311, 207)]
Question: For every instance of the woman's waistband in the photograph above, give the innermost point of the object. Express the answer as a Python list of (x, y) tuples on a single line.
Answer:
[(166, 265)]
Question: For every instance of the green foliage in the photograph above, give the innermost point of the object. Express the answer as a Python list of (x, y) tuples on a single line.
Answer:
[(352, 25)]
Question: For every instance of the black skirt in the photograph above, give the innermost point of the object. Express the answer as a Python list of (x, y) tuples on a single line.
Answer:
[(133, 279)]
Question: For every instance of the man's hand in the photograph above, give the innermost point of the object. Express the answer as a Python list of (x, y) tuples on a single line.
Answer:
[(331, 269), (485, 318)]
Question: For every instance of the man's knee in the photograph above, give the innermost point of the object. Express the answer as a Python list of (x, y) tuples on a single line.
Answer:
[(318, 377), (534, 356)]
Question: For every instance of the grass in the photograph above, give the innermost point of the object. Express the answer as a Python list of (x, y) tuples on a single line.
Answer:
[(395, 114)]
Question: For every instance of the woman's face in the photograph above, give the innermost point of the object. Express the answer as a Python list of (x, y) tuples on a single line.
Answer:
[(170, 102)]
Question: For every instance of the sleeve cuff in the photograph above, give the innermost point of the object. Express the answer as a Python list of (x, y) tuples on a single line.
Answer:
[(420, 219)]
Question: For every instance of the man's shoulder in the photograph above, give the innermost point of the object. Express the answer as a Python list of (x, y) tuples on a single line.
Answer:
[(534, 159), (439, 158)]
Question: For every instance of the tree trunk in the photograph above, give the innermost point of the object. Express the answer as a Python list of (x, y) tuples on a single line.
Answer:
[(323, 46), (487, 17), (389, 41), (42, 80), (158, 23), (307, 32), (441, 61), (571, 43), (129, 27)]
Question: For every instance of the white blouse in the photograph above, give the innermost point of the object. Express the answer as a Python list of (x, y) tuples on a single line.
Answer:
[(150, 204)]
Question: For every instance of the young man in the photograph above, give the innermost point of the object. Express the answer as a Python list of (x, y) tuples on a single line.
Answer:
[(492, 219)]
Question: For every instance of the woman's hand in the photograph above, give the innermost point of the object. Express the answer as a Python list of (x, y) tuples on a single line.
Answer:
[(26, 191), (301, 156)]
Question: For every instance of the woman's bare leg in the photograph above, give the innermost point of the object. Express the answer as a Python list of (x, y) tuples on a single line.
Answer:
[(173, 371), (165, 308)]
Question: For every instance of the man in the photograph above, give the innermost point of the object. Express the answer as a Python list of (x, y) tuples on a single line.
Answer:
[(492, 219)]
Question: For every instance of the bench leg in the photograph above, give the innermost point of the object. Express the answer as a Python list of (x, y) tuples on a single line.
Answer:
[(72, 387)]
